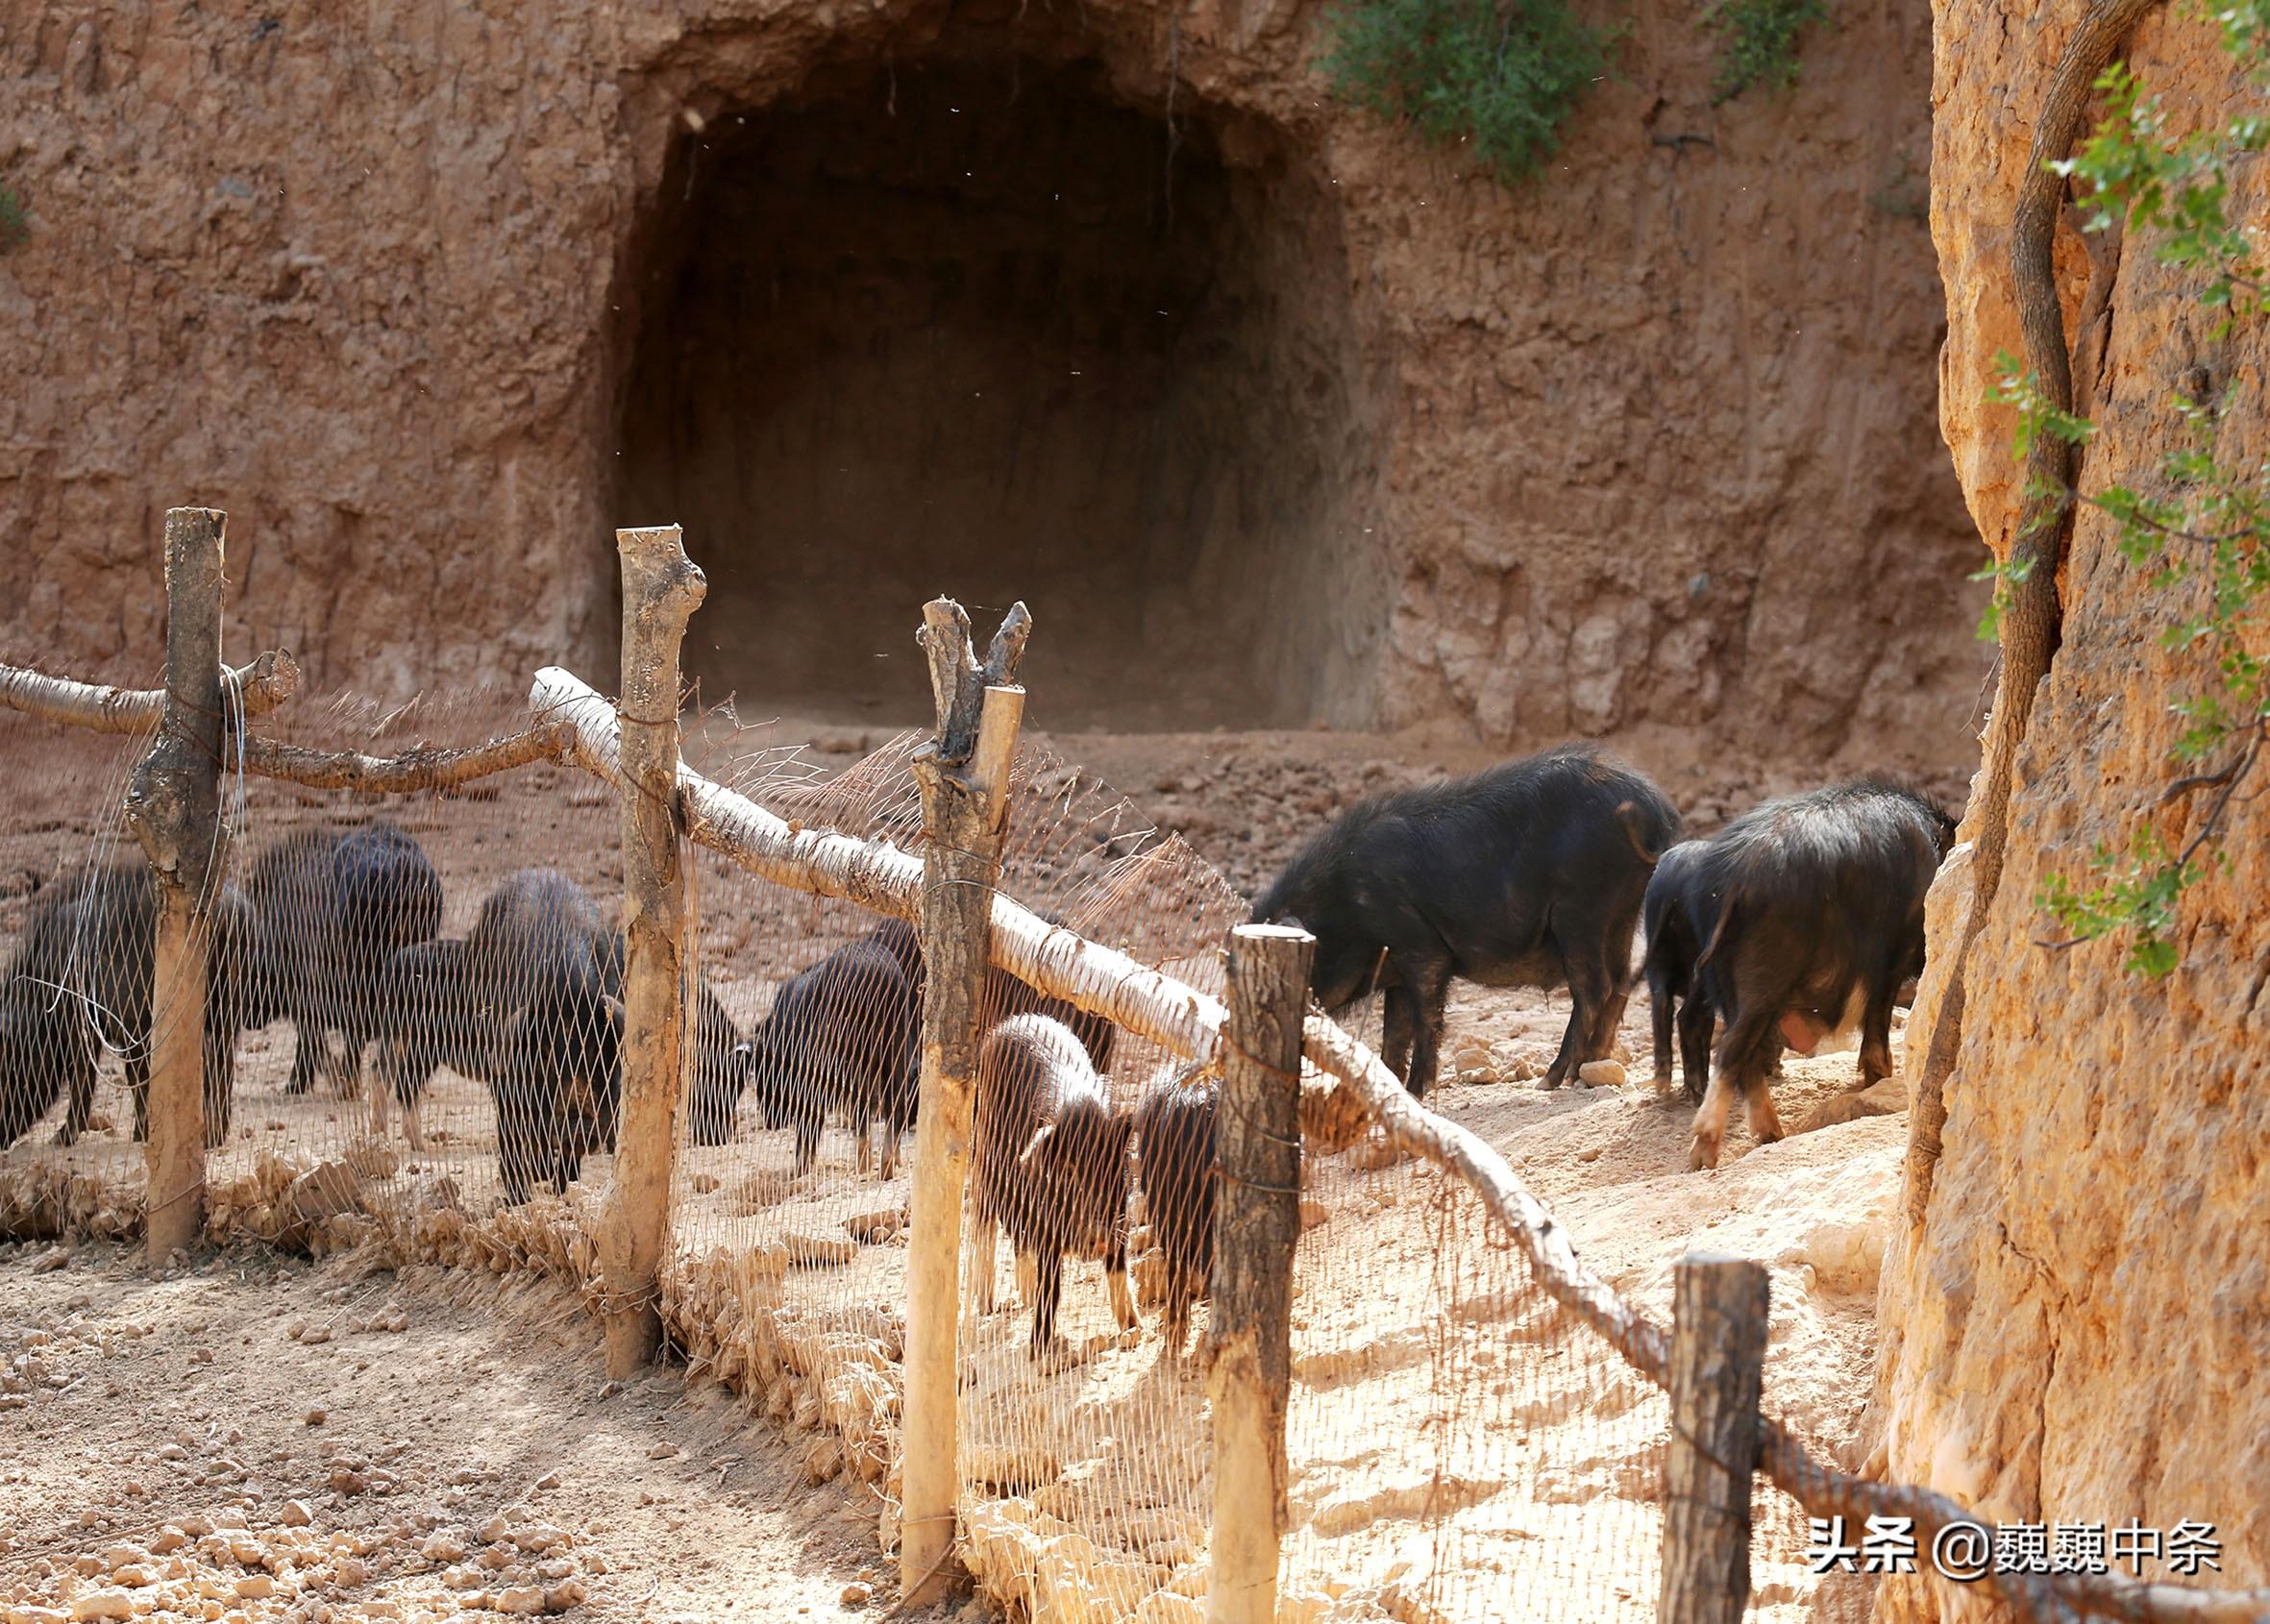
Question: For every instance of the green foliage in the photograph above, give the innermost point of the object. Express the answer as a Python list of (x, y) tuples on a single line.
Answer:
[(15, 220), (2175, 189), (2137, 896), (1758, 42), (1496, 79), (2202, 539)]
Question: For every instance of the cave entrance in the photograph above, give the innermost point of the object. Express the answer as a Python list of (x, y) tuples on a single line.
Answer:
[(971, 327)]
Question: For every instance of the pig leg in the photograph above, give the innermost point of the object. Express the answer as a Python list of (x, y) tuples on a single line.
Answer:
[(137, 1086), (81, 1106), (1114, 1279), (381, 1086), (515, 1148), (1876, 1032), (1176, 1325), (1048, 1270), (1739, 1072), (1028, 1289), (1414, 1023), (221, 1086), (306, 1042), (1661, 1001), (1397, 1029), (1743, 1060), (1611, 1017), (1709, 1125), (983, 1239), (1590, 990), (1765, 1122), (1697, 1025)]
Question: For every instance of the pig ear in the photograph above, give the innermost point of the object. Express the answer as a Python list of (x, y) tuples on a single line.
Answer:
[(1038, 1138)]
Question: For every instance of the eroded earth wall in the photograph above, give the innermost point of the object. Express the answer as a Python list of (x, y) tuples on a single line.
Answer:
[(1649, 439), (2078, 1331)]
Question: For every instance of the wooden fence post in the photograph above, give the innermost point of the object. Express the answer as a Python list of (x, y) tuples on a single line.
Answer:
[(1717, 1368), (173, 806), (1256, 1229), (661, 589), (964, 779)]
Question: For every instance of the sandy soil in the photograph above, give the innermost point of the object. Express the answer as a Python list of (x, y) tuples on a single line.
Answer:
[(187, 1444)]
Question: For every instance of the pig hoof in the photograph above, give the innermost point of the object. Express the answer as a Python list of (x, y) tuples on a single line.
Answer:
[(66, 1136), (1703, 1155), (1662, 1085)]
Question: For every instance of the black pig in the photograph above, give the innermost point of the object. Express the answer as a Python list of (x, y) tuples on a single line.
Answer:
[(1530, 874), (81, 982), (334, 909), (1807, 908)]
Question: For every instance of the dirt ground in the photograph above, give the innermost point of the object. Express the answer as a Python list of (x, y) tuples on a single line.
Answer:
[(186, 1446), (1453, 1449)]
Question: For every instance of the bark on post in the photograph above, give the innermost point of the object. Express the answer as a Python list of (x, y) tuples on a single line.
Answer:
[(1256, 1228), (964, 779), (661, 588), (173, 806), (1718, 1365)]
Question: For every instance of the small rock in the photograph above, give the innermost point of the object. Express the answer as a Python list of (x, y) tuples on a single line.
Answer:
[(550, 1480), (255, 1586), (520, 1598), (349, 1483), (103, 1604), (1591, 1155), (562, 1597), (296, 1514), (443, 1548), (855, 1596), (1601, 1073), (662, 1452), (348, 1572), (134, 1576), (46, 1263), (316, 1417)]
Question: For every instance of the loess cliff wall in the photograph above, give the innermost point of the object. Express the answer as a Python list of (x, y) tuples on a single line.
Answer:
[(429, 296), (2079, 1330)]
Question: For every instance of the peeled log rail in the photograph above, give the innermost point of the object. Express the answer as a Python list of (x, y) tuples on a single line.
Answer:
[(413, 770), (884, 880), (262, 686)]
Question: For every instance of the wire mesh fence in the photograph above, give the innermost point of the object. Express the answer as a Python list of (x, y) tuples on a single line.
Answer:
[(412, 1035)]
